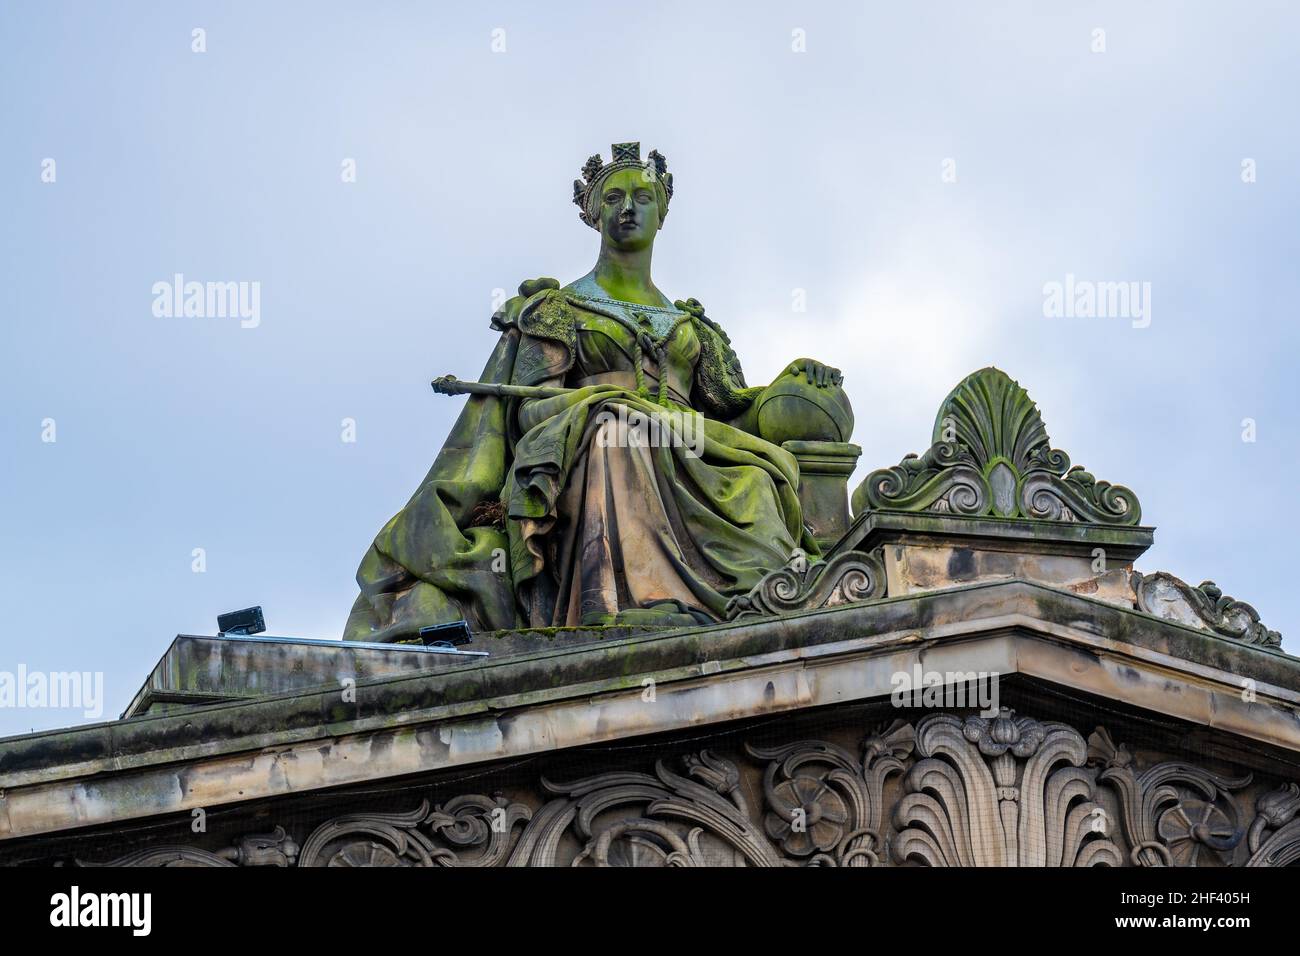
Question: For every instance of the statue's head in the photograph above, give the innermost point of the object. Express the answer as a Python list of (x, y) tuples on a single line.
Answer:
[(625, 199)]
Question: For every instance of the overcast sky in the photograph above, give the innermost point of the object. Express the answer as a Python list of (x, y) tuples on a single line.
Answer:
[(813, 147)]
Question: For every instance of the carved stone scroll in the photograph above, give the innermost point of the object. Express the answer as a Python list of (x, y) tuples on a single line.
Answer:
[(803, 585), (1205, 607)]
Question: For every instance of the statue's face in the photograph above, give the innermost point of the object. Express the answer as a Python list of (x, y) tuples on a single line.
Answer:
[(629, 211)]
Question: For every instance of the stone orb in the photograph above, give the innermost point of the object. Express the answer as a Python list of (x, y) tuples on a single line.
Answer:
[(794, 409)]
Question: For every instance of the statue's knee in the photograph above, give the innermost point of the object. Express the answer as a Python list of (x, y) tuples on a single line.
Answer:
[(795, 409)]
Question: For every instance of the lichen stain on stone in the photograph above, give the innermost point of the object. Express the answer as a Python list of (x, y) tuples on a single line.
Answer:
[(91, 801), (803, 689), (276, 779), (433, 748), (962, 564), (524, 735), (478, 737), (380, 746)]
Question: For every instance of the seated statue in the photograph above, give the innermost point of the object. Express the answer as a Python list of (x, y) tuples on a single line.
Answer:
[(625, 475)]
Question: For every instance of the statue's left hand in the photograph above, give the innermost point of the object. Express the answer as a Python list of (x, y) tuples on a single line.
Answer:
[(823, 376)]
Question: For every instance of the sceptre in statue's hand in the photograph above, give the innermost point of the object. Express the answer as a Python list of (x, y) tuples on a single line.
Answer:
[(451, 385)]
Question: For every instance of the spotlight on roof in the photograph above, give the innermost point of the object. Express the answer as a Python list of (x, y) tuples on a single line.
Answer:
[(446, 636), (453, 634), (247, 621)]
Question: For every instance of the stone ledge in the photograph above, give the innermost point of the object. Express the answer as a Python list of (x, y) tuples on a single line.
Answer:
[(1123, 544), (201, 670)]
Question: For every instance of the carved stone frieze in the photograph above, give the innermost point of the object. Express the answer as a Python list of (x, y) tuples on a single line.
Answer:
[(1170, 812), (481, 825), (265, 849), (826, 806), (1000, 791), (704, 797), (1274, 838), (942, 790)]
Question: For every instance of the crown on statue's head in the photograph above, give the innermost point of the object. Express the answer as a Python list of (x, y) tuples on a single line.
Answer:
[(586, 191)]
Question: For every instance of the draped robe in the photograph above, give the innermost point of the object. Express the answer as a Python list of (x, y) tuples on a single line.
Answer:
[(626, 500)]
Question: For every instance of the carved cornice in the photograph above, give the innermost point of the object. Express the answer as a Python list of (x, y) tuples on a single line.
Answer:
[(990, 455)]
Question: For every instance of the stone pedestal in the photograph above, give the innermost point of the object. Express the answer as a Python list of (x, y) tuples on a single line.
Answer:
[(929, 551), (824, 470)]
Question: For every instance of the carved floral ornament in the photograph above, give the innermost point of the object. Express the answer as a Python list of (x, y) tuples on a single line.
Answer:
[(947, 790), (990, 455)]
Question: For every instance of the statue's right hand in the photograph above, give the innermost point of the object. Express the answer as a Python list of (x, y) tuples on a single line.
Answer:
[(817, 373)]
